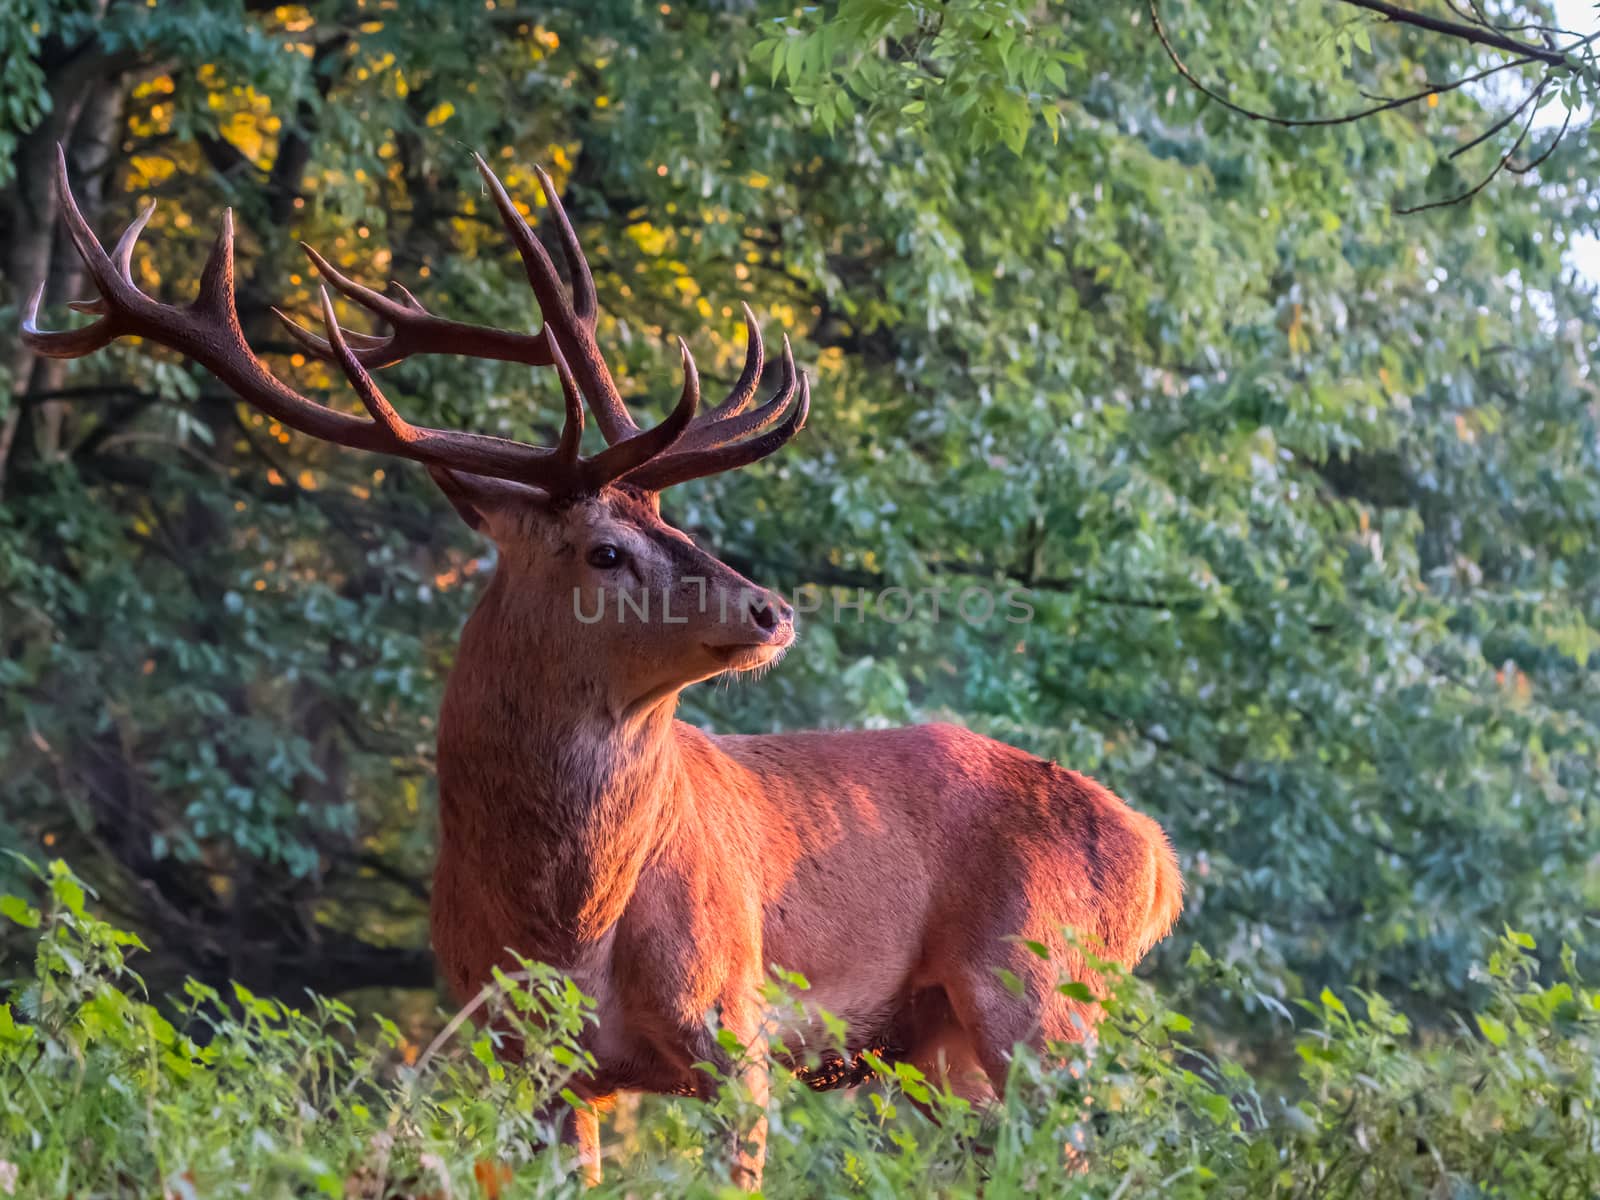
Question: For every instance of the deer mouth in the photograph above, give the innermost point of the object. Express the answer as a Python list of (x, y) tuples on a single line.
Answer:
[(748, 656)]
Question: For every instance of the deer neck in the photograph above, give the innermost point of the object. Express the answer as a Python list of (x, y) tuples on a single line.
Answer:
[(551, 802)]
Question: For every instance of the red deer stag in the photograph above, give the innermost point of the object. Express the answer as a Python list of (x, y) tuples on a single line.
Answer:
[(665, 868)]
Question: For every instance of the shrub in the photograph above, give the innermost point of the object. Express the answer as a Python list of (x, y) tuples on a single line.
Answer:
[(105, 1092)]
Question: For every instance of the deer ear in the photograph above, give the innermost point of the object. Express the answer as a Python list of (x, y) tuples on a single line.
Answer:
[(477, 497)]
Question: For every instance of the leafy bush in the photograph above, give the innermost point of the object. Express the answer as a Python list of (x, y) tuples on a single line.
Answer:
[(108, 1093)]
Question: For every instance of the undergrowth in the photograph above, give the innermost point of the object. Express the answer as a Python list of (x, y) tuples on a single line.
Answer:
[(105, 1091)]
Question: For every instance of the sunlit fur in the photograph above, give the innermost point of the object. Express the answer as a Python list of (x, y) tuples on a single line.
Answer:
[(665, 868)]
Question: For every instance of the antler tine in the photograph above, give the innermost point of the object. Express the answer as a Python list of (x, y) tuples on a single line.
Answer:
[(373, 400), (619, 461), (672, 469), (755, 360), (562, 319), (374, 302), (373, 351), (572, 426), (411, 301), (536, 262), (122, 254), (64, 343), (708, 434), (415, 329), (112, 276), (320, 347), (102, 270), (215, 297), (584, 302)]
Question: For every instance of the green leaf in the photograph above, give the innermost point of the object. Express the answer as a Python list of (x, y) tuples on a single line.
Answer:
[(10, 1031), (68, 892), (19, 911)]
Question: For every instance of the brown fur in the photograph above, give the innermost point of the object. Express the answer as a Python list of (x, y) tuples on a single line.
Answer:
[(665, 868)]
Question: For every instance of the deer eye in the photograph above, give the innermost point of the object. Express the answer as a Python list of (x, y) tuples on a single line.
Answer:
[(605, 556)]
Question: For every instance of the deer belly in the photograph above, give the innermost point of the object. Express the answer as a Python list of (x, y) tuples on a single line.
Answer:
[(859, 971)]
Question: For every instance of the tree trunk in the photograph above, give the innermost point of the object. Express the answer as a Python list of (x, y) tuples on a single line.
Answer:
[(86, 91)]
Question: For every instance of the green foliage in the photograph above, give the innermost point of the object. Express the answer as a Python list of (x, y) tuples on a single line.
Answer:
[(978, 71), (236, 1094)]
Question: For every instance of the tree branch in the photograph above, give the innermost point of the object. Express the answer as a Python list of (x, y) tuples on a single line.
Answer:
[(832, 576), (1495, 170), (1432, 89), (1478, 35)]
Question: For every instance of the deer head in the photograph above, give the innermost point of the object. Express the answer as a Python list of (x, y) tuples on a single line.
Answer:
[(586, 563)]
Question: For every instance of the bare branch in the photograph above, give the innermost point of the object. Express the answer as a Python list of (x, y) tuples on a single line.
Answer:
[(1432, 89), (1477, 34), (1539, 159), (1487, 179), (1505, 120), (1476, 30), (1478, 17)]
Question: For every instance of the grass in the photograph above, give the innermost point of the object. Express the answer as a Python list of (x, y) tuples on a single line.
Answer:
[(104, 1092)]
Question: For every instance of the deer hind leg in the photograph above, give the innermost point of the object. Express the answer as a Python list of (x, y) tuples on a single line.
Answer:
[(996, 1019), (949, 1060), (939, 1046)]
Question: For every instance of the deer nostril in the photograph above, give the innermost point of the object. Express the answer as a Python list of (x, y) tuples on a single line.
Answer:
[(764, 614)]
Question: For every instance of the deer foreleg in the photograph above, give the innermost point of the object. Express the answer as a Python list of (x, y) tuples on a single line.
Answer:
[(747, 1141), (748, 1151), (578, 1128), (583, 1132)]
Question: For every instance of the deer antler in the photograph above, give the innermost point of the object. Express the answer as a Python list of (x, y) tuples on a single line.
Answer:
[(415, 329), (208, 331), (571, 322)]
